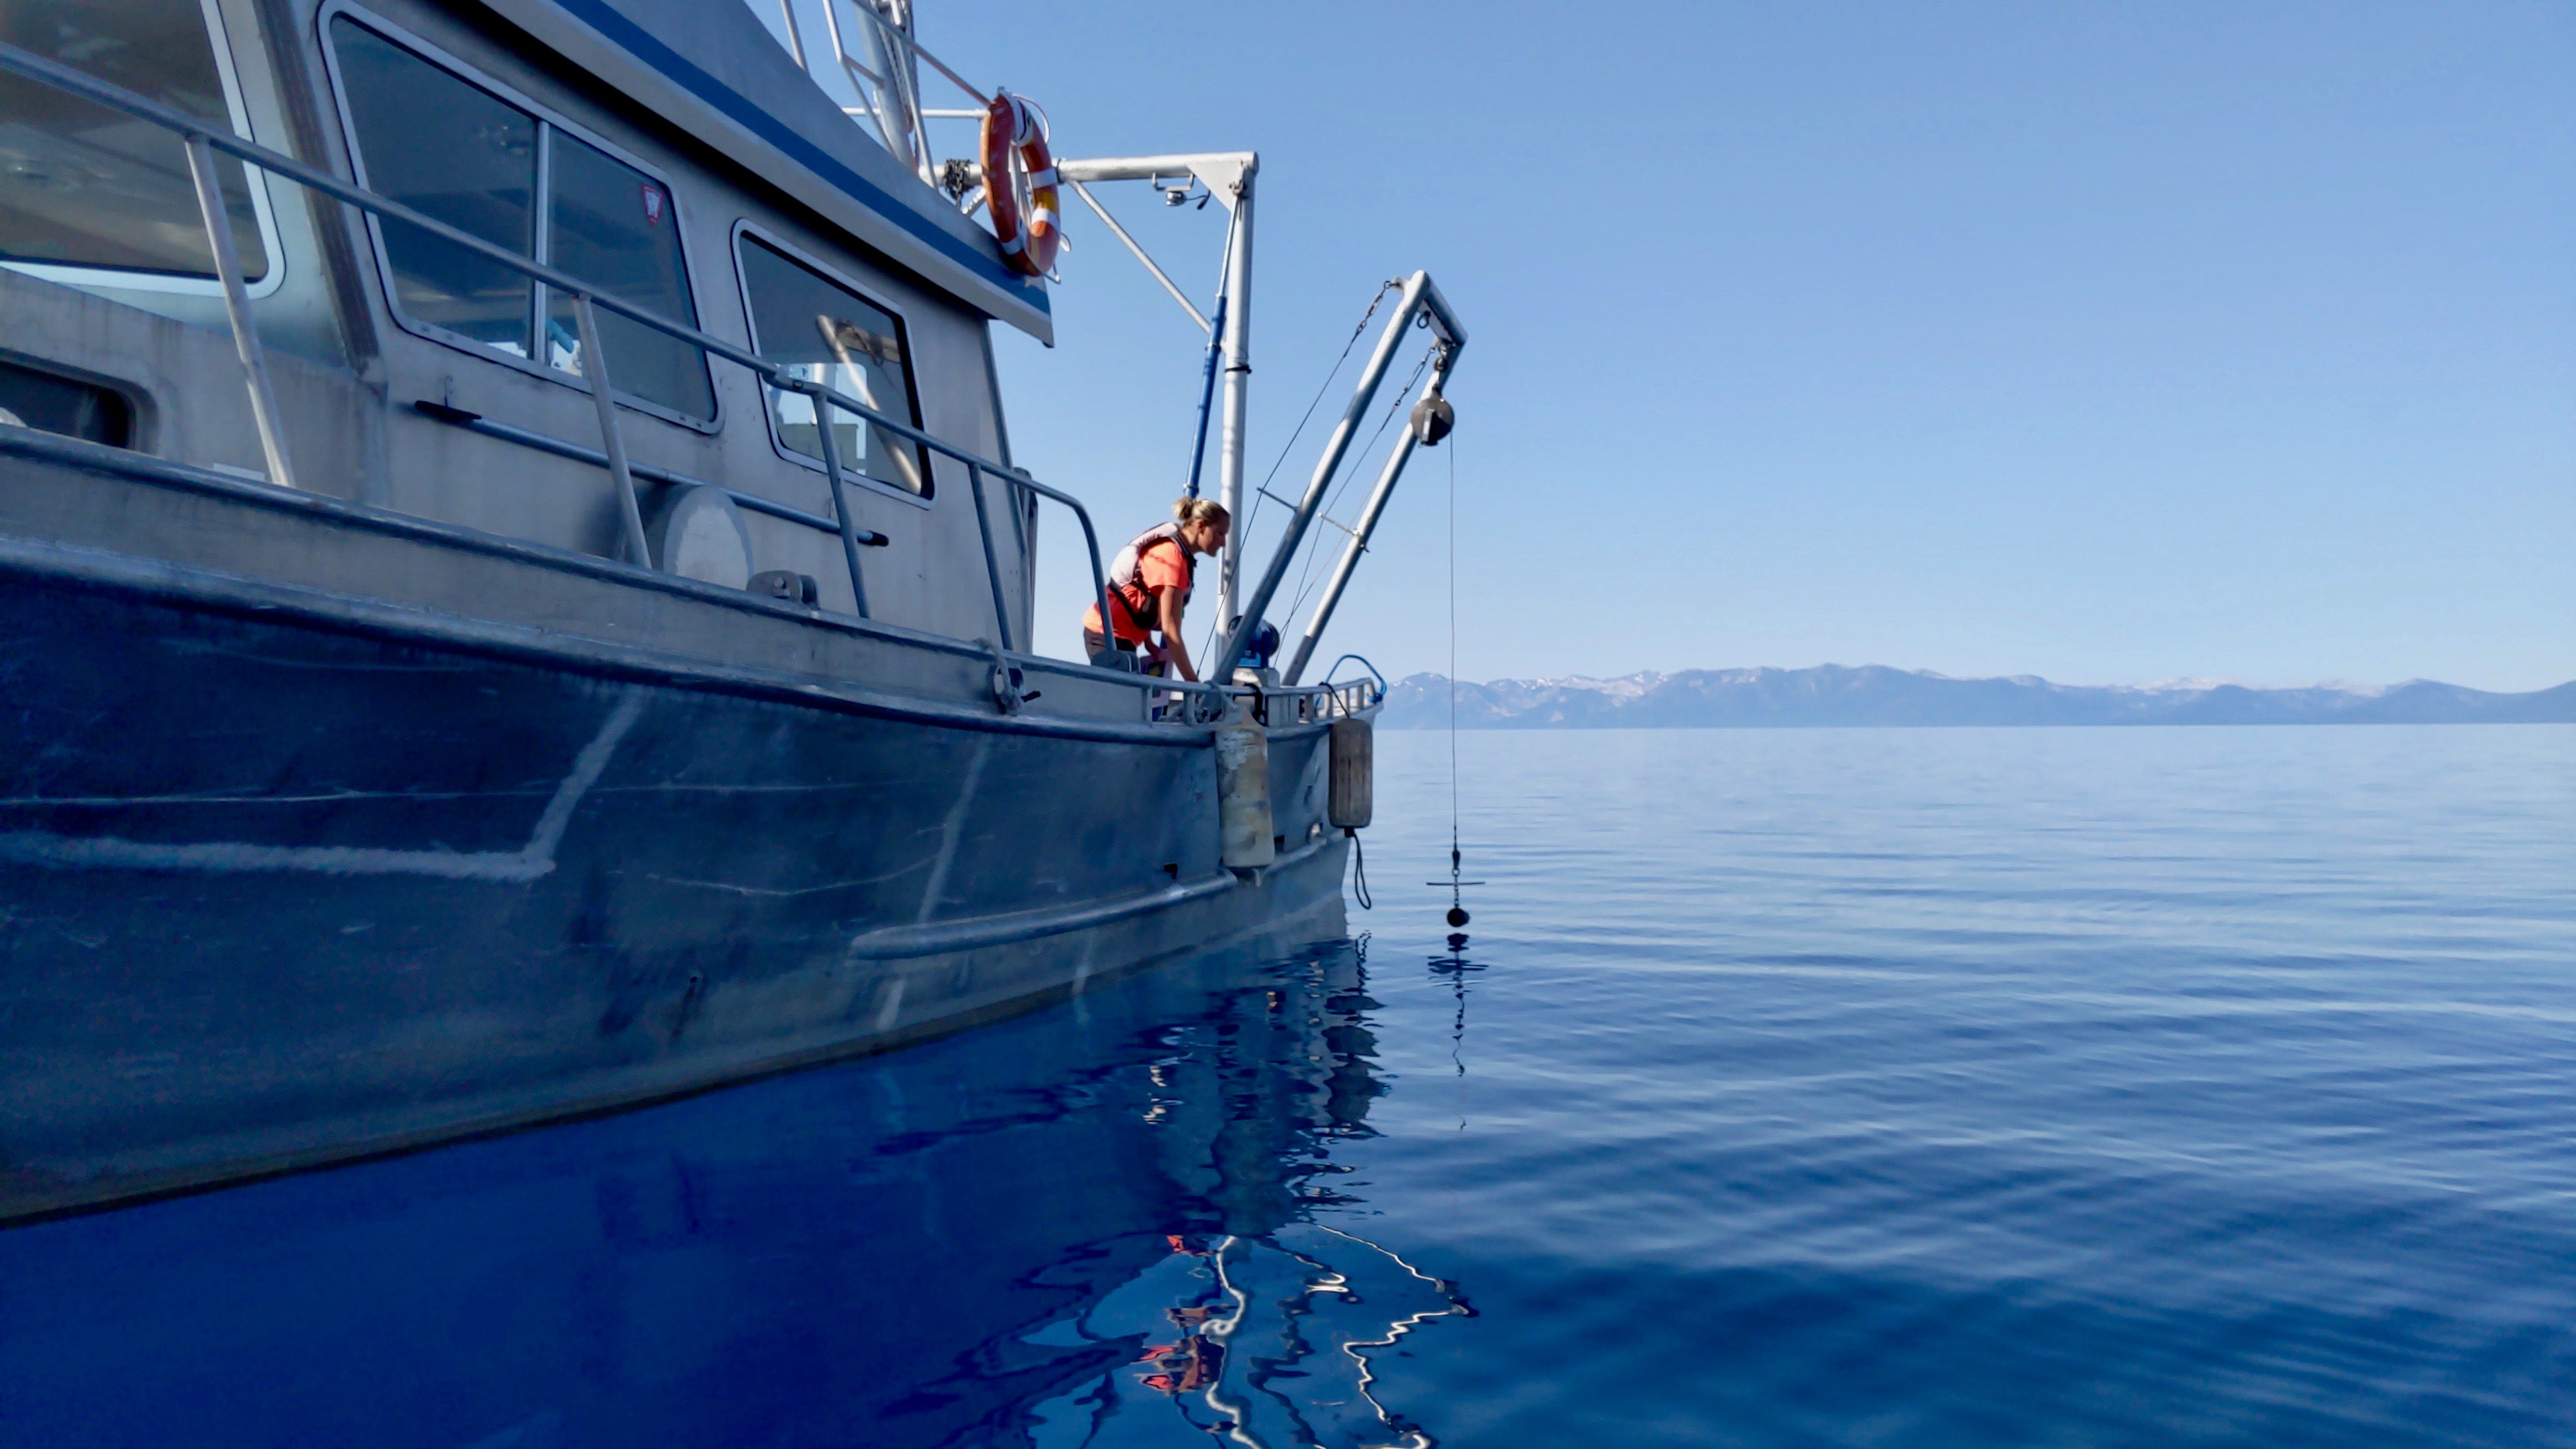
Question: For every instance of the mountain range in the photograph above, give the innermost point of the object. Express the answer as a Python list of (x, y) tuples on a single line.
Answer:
[(1877, 695)]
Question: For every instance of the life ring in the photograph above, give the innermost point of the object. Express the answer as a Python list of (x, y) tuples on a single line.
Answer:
[(1012, 125)]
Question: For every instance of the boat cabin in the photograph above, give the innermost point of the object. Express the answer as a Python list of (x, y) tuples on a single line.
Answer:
[(669, 151), (509, 551)]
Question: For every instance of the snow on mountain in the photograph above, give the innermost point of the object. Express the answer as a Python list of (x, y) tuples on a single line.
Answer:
[(1876, 695)]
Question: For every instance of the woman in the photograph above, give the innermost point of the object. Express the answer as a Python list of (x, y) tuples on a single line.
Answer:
[(1149, 586)]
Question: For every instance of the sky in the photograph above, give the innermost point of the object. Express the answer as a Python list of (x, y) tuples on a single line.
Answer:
[(2107, 342)]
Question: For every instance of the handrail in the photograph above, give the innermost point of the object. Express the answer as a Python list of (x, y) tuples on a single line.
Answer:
[(1327, 681), (219, 237), (473, 422), (992, 565), (200, 139)]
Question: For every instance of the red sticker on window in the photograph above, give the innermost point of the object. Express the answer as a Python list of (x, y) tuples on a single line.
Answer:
[(652, 204)]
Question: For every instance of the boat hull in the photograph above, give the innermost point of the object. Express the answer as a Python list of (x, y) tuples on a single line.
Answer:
[(862, 1254), (276, 891)]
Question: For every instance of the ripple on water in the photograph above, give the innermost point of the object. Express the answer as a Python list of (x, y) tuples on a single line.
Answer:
[(1886, 1087), (2007, 1086)]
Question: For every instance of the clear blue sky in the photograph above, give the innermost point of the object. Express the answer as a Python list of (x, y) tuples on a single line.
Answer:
[(2105, 342)]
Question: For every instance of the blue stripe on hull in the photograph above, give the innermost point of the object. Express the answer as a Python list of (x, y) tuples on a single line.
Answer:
[(275, 894)]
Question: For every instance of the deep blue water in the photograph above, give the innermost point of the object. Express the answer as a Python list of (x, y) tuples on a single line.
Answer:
[(1876, 1087)]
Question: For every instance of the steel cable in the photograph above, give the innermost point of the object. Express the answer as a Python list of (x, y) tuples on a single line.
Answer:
[(1306, 573), (1453, 668)]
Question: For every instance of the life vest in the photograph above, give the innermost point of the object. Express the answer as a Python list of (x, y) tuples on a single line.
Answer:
[(1126, 576)]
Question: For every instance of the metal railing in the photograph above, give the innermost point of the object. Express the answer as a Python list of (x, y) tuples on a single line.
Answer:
[(473, 422), (1347, 697), (1205, 700), (888, 83)]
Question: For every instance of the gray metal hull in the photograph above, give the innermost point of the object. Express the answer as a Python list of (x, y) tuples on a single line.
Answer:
[(859, 1255), (289, 876)]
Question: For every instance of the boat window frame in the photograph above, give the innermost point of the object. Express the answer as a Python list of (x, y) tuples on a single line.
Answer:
[(548, 119), (746, 227), (272, 242)]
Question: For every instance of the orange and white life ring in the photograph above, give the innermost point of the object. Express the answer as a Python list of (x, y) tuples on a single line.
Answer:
[(1014, 130)]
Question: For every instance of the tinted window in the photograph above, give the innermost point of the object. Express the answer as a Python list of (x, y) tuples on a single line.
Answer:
[(823, 331), (436, 142), (442, 147), (610, 224), (41, 400), (84, 186)]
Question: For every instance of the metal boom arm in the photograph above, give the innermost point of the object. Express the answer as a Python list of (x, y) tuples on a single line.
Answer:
[(1421, 299), (1360, 533)]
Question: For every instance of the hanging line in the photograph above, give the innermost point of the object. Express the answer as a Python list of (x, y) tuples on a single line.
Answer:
[(1306, 576), (1312, 403), (1457, 887), (1453, 671)]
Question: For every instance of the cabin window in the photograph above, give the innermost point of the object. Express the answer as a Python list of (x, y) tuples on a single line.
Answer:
[(85, 188), (612, 224), (445, 146), (822, 331), (51, 403)]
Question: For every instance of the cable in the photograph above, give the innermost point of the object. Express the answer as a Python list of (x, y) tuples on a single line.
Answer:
[(1456, 883), (1261, 495), (1359, 872), (1306, 578)]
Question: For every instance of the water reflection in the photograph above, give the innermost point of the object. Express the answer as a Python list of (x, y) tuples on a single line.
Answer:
[(1455, 967), (1266, 1341), (1116, 1222)]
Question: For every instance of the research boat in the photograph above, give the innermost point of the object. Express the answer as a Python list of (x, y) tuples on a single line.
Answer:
[(515, 598)]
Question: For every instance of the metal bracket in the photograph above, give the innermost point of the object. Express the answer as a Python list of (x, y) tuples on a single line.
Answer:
[(1008, 682)]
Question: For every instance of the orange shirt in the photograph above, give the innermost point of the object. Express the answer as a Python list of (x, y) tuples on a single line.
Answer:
[(1162, 567)]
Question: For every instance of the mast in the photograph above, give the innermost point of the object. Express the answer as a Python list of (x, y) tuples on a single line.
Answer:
[(1228, 177), (1237, 362)]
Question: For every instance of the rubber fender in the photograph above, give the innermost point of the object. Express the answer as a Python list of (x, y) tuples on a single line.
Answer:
[(1244, 839), (1354, 775)]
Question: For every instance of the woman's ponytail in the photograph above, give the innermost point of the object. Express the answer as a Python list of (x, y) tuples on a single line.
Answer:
[(1199, 510)]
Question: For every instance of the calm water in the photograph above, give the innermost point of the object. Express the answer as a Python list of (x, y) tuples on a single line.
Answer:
[(1964, 1087)]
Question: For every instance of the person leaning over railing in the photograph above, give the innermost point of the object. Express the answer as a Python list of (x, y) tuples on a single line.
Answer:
[(1149, 587)]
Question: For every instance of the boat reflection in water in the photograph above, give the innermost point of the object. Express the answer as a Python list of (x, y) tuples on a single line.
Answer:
[(1274, 1338), (1111, 1222)]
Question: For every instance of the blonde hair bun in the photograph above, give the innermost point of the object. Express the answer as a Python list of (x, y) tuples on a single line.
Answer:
[(1199, 510)]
